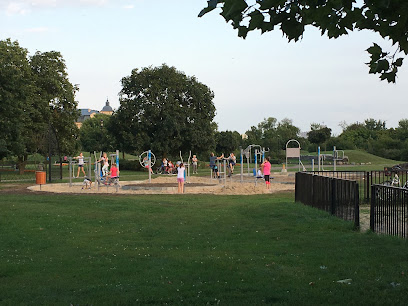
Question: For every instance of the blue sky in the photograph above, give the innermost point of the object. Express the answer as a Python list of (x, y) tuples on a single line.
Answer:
[(315, 80)]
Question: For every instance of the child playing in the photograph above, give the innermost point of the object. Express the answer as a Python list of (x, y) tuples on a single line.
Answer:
[(105, 164), (87, 183), (80, 159), (180, 178)]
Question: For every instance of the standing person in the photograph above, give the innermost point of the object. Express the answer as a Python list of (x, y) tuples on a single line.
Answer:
[(80, 159), (232, 160), (266, 169), (213, 164), (195, 163), (180, 178), (105, 164)]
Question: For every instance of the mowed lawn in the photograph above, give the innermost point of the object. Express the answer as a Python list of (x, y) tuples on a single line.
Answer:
[(191, 250)]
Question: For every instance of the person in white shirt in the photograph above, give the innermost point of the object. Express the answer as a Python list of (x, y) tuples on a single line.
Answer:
[(180, 178)]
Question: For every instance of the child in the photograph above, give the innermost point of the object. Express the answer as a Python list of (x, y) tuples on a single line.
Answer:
[(113, 174), (195, 163), (266, 169), (180, 178), (80, 159), (87, 183), (105, 164)]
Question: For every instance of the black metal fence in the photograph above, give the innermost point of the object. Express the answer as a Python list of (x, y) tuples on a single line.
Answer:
[(389, 210), (340, 197), (10, 172), (367, 178), (361, 177)]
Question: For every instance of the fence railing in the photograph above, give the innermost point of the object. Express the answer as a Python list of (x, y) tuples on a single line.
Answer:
[(339, 197), (389, 210), (361, 177), (9, 171)]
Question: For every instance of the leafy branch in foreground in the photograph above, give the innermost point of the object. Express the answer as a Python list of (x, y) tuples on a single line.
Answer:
[(332, 17)]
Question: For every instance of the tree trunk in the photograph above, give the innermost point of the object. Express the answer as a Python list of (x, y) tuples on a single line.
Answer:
[(22, 161)]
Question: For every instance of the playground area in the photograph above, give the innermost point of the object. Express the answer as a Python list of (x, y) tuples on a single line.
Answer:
[(281, 182)]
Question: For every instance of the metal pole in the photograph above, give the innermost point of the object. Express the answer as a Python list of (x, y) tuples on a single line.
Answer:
[(242, 165), (312, 164), (256, 161), (334, 157), (225, 172), (89, 167), (318, 157), (149, 154), (69, 169)]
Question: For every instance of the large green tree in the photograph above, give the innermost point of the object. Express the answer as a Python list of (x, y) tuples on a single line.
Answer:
[(388, 18), (96, 134), (164, 110), (54, 90), (36, 102), (18, 115)]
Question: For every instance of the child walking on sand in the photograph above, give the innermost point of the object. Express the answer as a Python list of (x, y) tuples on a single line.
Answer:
[(180, 178)]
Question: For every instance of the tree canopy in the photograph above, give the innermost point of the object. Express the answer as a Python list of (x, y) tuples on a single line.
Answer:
[(332, 17), (164, 110), (36, 102)]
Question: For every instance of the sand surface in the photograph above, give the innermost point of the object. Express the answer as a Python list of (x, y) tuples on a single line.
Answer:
[(194, 185)]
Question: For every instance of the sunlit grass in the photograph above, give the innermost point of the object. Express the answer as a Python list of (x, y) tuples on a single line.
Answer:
[(193, 250)]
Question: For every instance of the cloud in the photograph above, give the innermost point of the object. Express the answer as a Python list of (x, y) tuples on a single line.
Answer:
[(16, 8), (129, 6), (23, 7)]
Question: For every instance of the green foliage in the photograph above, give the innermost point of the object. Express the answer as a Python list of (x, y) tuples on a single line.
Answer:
[(319, 134), (132, 165), (38, 102), (227, 142), (272, 134), (166, 111), (333, 18), (96, 134)]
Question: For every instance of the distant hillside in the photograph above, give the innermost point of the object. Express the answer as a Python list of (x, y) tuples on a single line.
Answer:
[(358, 156)]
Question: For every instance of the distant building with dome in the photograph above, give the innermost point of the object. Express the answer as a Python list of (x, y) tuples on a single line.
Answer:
[(107, 109), (87, 113)]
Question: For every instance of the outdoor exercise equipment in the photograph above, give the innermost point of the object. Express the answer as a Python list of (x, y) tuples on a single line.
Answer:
[(259, 156), (71, 168), (102, 180), (147, 160), (293, 153), (186, 166)]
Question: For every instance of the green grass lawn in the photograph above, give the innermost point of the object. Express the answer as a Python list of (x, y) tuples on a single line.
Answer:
[(192, 250)]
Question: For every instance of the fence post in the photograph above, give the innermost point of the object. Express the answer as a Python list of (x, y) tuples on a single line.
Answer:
[(368, 176), (372, 208), (357, 206), (333, 197)]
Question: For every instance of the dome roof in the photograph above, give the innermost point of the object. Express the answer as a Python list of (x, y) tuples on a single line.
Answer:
[(107, 107)]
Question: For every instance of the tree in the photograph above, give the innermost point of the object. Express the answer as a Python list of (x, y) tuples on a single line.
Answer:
[(319, 133), (95, 134), (227, 142), (53, 88), (166, 111), (332, 17), (16, 91), (37, 101)]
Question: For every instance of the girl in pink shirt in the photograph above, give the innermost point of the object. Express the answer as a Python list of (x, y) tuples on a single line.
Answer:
[(266, 169)]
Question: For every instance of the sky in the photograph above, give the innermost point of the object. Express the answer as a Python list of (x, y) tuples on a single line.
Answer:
[(316, 80)]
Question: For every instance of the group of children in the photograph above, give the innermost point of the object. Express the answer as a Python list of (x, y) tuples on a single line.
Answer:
[(108, 175), (231, 162), (264, 171)]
